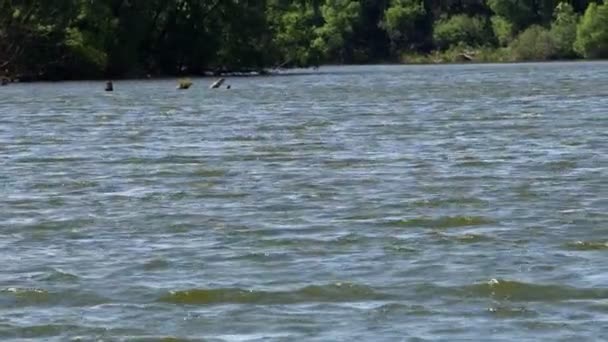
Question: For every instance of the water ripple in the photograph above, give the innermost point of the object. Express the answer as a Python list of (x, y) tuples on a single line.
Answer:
[(353, 203), (338, 292)]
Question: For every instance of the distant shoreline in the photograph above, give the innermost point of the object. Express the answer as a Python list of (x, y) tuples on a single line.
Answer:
[(294, 71)]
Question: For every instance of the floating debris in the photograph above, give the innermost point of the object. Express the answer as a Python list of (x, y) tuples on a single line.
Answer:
[(184, 84), (217, 83)]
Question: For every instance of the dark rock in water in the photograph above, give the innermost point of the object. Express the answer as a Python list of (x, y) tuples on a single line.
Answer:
[(109, 86), (228, 86), (4, 81)]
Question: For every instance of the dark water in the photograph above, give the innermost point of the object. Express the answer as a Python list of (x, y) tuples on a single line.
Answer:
[(355, 204)]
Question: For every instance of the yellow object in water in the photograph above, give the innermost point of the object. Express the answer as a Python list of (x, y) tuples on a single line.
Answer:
[(184, 83)]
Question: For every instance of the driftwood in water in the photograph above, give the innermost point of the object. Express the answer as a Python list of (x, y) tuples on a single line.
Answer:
[(466, 57), (217, 83)]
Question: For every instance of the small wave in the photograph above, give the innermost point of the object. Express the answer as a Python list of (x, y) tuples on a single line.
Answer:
[(338, 292), (210, 173), (454, 201), (474, 164), (519, 291), (262, 257), (156, 264), (340, 241), (400, 249), (66, 332), (559, 166), (58, 225), (22, 297), (51, 160), (402, 309), (57, 276), (443, 222), (158, 339), (172, 160), (35, 331), (245, 138), (505, 311), (587, 245), (348, 162), (469, 238)]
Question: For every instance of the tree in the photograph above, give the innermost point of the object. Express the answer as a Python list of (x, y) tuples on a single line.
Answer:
[(401, 19), (333, 38), (519, 12), (294, 33), (523, 13), (60, 39), (503, 30), (245, 36), (371, 42), (563, 30), (31, 31), (461, 29), (592, 32)]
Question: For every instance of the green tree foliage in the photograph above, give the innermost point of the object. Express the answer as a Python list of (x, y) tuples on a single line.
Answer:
[(516, 12), (523, 13), (563, 30), (59, 39), (592, 32), (535, 43), (461, 29), (503, 30), (334, 37), (401, 19), (294, 33), (28, 26)]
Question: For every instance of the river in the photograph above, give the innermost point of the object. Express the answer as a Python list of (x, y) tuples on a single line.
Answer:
[(372, 203)]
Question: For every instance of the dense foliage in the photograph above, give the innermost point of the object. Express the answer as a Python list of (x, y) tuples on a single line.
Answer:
[(123, 38)]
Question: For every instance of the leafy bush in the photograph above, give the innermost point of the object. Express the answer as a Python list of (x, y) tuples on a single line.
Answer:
[(592, 32), (534, 44), (472, 31)]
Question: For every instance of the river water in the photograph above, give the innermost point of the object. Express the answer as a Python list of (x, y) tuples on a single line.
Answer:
[(385, 203)]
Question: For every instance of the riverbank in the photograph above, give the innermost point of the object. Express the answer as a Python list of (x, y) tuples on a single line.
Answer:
[(472, 57), (25, 78)]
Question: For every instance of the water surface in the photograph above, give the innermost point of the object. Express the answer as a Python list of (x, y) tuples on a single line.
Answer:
[(357, 203)]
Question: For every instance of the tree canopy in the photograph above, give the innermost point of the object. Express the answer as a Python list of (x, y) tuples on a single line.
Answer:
[(62, 39)]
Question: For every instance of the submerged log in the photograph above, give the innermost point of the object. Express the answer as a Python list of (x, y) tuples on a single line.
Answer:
[(466, 57), (217, 83)]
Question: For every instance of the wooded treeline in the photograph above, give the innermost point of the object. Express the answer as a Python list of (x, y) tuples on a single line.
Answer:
[(68, 39)]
